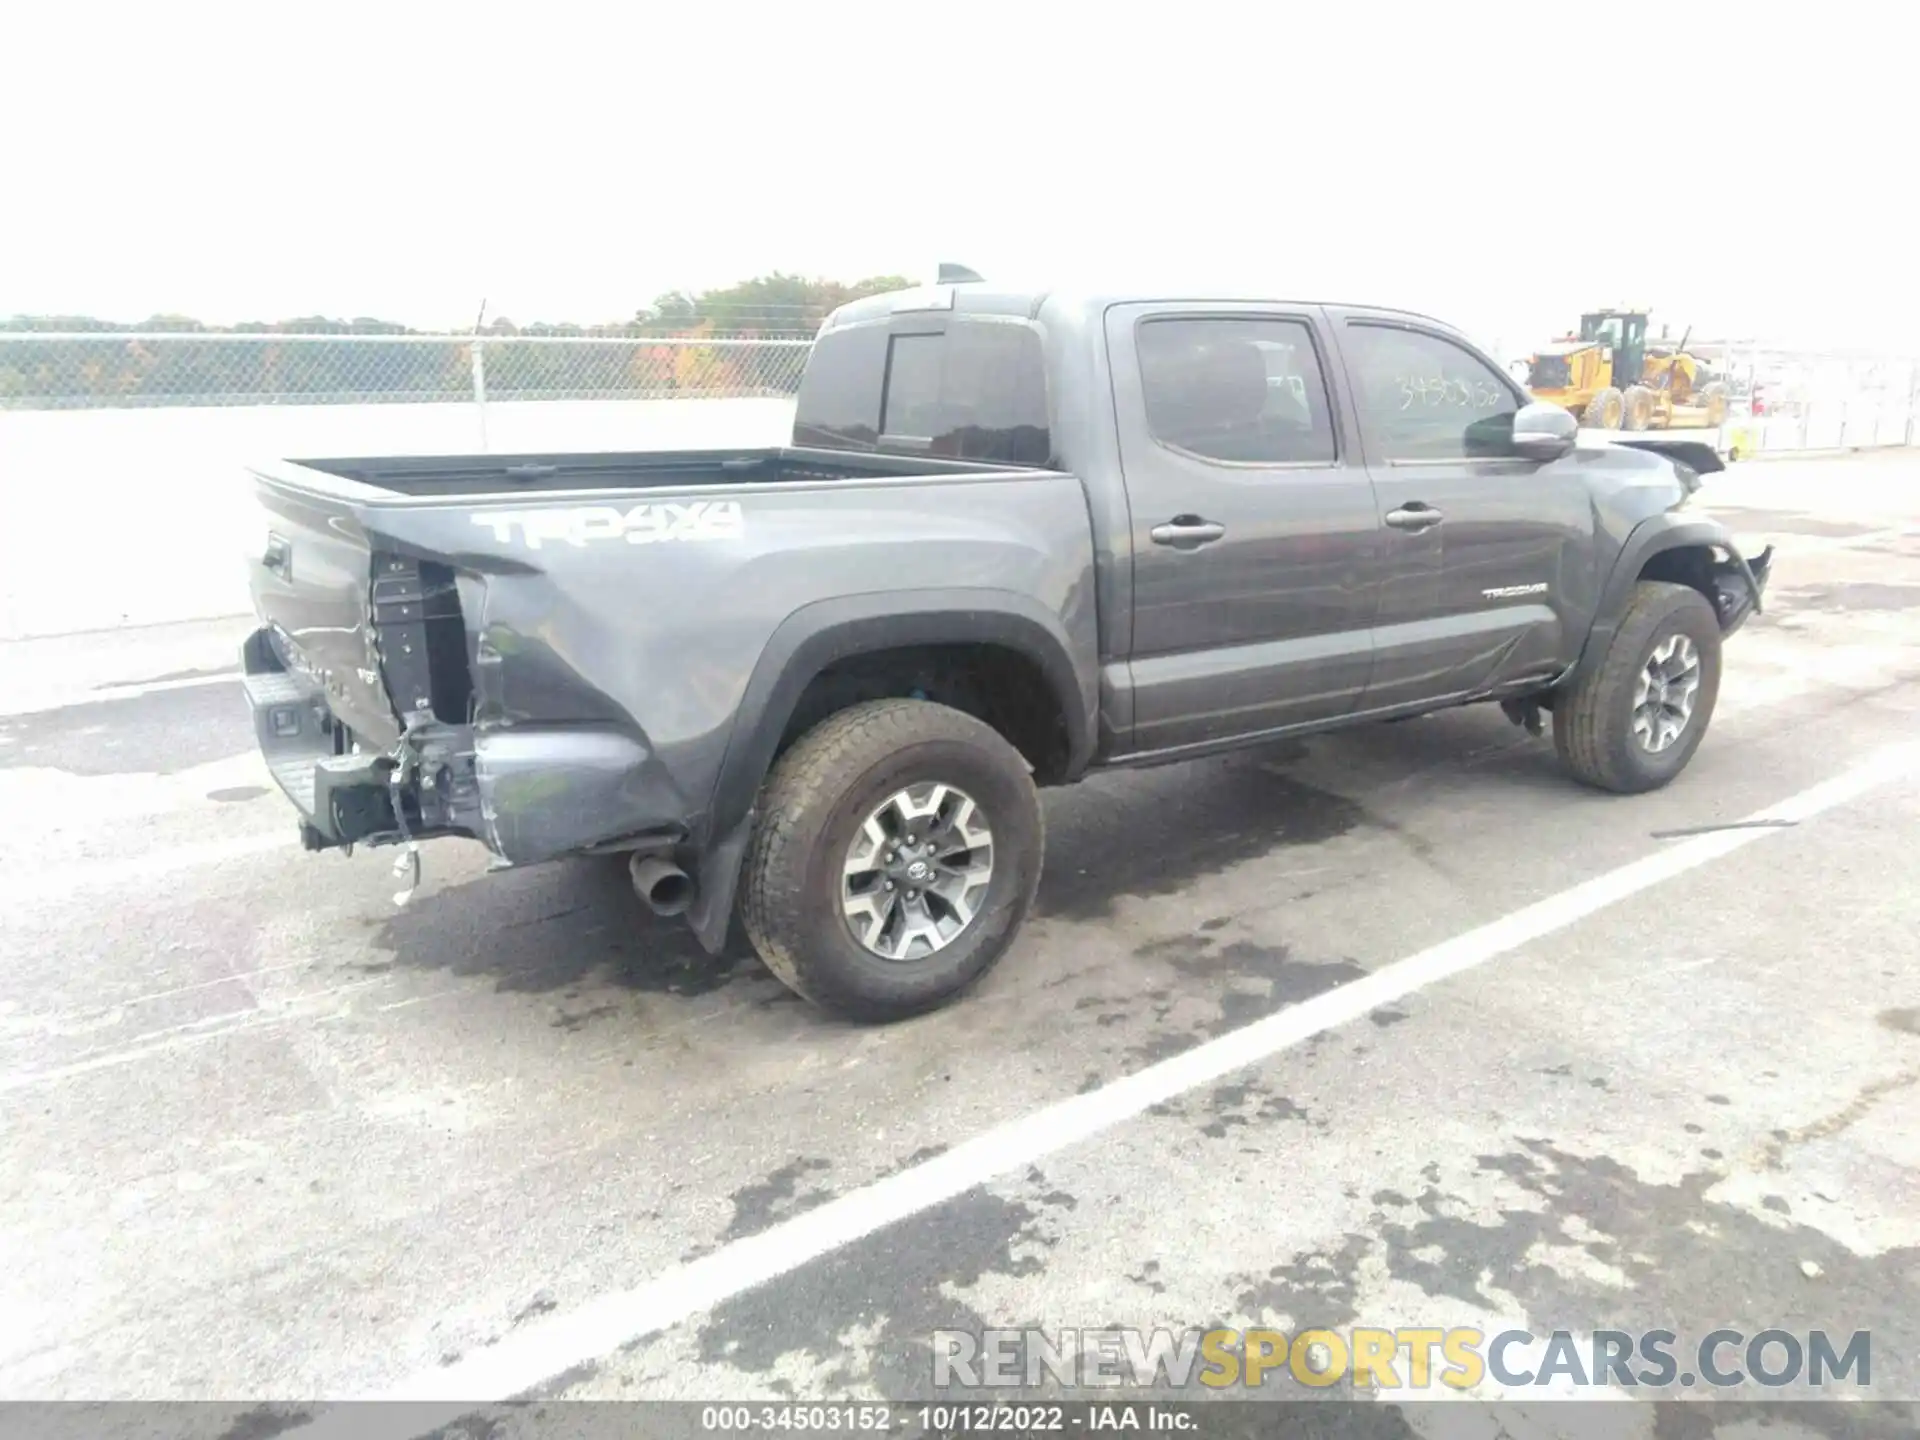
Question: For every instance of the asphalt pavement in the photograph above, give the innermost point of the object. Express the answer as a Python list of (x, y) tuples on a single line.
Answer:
[(1394, 1028)]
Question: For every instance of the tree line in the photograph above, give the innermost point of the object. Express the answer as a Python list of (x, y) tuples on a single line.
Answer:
[(132, 369)]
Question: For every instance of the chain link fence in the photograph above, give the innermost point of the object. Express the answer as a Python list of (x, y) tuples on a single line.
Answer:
[(89, 370), (1783, 400), (1792, 400)]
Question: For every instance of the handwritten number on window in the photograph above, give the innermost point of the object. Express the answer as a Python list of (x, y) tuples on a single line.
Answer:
[(1437, 392)]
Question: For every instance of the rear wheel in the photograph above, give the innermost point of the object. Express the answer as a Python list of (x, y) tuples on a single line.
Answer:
[(1637, 405), (1714, 398), (1604, 410), (897, 855), (1633, 722)]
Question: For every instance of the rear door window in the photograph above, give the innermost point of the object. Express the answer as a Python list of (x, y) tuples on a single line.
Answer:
[(1239, 390)]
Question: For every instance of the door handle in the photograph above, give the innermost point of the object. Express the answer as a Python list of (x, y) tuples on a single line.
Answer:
[(1417, 515), (1187, 532)]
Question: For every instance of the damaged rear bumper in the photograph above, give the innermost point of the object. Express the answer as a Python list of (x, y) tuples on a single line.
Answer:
[(342, 794), (1739, 586), (528, 793)]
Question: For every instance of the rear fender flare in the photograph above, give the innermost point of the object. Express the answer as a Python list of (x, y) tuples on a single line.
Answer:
[(817, 635)]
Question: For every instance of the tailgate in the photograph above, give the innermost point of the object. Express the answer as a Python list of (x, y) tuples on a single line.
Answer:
[(312, 582)]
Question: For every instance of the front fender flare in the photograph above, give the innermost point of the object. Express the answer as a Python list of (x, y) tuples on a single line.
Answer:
[(1653, 536)]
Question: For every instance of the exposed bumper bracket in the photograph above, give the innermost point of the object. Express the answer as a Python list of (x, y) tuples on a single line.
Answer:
[(1738, 587)]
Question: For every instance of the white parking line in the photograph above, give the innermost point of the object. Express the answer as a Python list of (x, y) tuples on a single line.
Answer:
[(531, 1357), (161, 687)]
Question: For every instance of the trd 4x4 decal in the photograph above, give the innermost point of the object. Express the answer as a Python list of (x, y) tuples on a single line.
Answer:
[(694, 520)]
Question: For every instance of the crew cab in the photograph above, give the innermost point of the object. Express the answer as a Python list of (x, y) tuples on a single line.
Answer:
[(1017, 536)]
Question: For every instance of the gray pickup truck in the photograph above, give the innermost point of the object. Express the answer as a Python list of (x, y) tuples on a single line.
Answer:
[(1016, 536)]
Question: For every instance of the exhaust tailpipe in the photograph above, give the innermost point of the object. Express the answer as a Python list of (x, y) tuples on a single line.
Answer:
[(663, 885)]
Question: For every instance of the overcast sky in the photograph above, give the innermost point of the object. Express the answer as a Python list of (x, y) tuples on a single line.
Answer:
[(1734, 169)]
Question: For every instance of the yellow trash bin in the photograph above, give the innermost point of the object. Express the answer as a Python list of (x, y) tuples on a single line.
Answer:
[(1743, 438)]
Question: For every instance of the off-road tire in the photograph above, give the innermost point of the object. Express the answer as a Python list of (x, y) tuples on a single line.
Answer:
[(1714, 397), (1595, 416), (1637, 408), (1593, 718), (820, 792)]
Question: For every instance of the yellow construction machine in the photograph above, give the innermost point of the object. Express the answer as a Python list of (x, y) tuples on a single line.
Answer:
[(1612, 379)]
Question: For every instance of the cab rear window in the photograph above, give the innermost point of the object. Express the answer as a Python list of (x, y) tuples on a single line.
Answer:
[(967, 389)]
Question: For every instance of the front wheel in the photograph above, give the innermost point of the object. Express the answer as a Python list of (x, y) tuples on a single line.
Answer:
[(897, 854), (1633, 722)]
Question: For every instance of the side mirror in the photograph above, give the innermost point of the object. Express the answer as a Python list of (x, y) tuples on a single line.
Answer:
[(1544, 432)]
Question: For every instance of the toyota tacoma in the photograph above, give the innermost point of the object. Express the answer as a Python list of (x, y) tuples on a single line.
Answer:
[(1016, 536)]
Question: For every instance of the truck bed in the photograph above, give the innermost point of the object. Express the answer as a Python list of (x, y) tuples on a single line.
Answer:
[(523, 595), (469, 475)]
